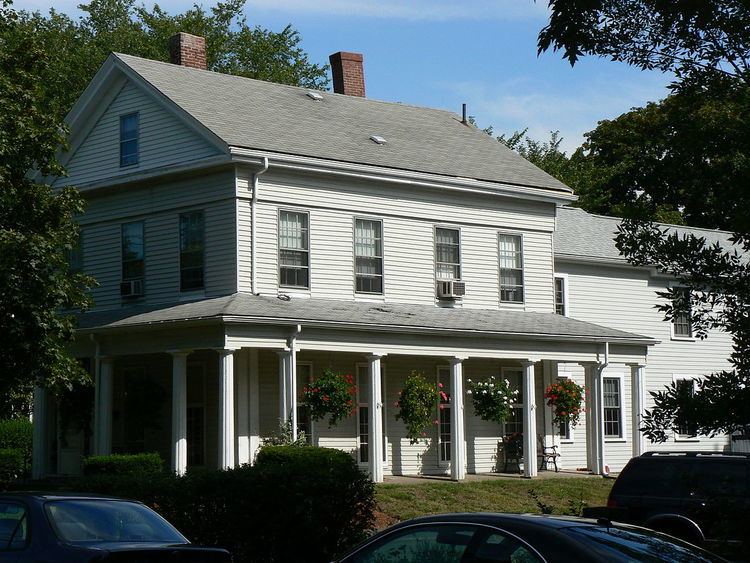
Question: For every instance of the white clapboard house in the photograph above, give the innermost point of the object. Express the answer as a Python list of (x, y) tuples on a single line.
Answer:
[(247, 235)]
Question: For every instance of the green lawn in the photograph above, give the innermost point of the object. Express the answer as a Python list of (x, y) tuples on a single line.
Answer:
[(397, 502)]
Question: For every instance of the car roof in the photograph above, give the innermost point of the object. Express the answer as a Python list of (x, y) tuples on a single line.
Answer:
[(500, 519), (42, 495)]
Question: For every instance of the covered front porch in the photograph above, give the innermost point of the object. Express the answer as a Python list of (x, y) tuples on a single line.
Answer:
[(206, 392)]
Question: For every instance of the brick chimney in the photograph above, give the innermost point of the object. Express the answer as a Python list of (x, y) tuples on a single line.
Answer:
[(348, 73), (188, 50)]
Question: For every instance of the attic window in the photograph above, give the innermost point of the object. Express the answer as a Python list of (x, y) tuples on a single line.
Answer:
[(377, 139), (317, 96)]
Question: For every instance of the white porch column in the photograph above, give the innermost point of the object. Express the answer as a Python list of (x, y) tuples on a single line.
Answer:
[(39, 439), (179, 411), (253, 385), (594, 418), (103, 406), (637, 387), (458, 432), (375, 408), (291, 385), (284, 414), (226, 409), (529, 421), (243, 412)]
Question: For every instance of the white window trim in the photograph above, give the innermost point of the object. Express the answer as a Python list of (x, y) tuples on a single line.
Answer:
[(445, 370), (292, 289), (460, 249), (122, 256), (137, 139), (566, 298), (676, 436), (511, 304), (672, 335), (366, 295), (623, 437), (571, 429), (309, 381), (383, 391)]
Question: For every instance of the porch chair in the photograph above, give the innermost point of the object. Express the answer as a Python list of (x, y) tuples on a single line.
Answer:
[(547, 454), (512, 445)]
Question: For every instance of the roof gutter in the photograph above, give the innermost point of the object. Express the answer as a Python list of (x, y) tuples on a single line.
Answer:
[(254, 227)]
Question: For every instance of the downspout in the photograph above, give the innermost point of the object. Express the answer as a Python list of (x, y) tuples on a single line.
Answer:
[(253, 229), (599, 371)]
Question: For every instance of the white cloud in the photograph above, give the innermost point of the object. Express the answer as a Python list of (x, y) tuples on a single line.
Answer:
[(429, 10)]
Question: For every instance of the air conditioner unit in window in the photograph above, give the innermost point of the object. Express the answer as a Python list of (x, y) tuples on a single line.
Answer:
[(451, 289), (131, 288)]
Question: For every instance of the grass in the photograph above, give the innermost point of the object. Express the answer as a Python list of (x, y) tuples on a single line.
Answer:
[(397, 502)]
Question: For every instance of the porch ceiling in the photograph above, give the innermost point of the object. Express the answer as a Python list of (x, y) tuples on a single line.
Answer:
[(334, 313)]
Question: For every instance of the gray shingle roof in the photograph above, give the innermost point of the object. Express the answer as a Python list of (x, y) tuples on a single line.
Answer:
[(272, 117), (584, 235), (332, 312)]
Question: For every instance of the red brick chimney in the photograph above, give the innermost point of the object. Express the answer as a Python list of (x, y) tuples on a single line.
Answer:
[(188, 50), (348, 74)]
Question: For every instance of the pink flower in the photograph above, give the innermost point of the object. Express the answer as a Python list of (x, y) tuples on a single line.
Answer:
[(440, 385)]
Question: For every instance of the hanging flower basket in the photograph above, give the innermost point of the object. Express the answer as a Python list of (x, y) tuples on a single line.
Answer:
[(416, 405), (492, 398), (566, 400), (330, 395)]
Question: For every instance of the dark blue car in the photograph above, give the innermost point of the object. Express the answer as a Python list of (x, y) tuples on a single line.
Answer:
[(52, 528)]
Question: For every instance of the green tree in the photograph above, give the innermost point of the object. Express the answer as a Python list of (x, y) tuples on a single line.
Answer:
[(233, 45), (36, 228)]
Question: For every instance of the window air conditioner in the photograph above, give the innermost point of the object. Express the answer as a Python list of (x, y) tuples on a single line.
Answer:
[(131, 288), (451, 289)]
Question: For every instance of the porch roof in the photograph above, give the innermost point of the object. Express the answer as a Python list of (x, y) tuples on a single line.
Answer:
[(358, 315)]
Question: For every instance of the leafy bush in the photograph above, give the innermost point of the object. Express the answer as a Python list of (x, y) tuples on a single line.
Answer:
[(17, 434), (12, 464), (566, 398), (119, 464), (332, 395), (417, 402), (492, 398)]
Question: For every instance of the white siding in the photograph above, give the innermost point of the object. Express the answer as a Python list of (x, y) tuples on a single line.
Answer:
[(409, 217), (159, 208), (624, 298), (163, 141)]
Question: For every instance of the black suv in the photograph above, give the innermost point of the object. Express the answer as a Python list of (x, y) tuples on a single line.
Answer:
[(701, 497)]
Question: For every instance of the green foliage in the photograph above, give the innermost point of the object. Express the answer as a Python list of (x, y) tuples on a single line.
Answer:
[(319, 494), (718, 282), (122, 26), (416, 404), (566, 399), (492, 398), (330, 395), (285, 437), (12, 465), (123, 464), (16, 436), (36, 228)]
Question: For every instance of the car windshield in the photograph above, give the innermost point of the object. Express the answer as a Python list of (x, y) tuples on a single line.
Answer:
[(620, 545), (84, 521)]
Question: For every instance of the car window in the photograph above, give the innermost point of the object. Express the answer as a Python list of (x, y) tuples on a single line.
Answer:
[(713, 478), (429, 543), (500, 547), (668, 478), (90, 521), (13, 526), (620, 545)]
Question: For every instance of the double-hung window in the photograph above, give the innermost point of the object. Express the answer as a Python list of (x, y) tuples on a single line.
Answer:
[(74, 255), (514, 423), (129, 139), (294, 249), (304, 420), (561, 294), (447, 254), (686, 387), (363, 413), (444, 413), (682, 327), (191, 251), (510, 254), (132, 251), (368, 255), (612, 407)]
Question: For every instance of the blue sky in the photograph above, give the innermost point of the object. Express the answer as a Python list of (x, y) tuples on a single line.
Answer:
[(441, 53)]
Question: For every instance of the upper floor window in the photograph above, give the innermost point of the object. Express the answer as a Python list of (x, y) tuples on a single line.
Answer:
[(132, 251), (561, 296), (682, 327), (74, 254), (612, 407), (686, 387), (294, 249), (368, 255), (129, 139), (448, 254), (510, 251), (192, 248)]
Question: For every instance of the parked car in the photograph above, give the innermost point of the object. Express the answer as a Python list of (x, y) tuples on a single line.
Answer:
[(52, 528), (518, 538), (702, 498)]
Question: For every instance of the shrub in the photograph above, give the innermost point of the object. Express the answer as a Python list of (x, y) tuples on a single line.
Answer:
[(123, 464), (332, 395), (566, 398), (12, 464), (17, 434), (417, 402), (492, 398)]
